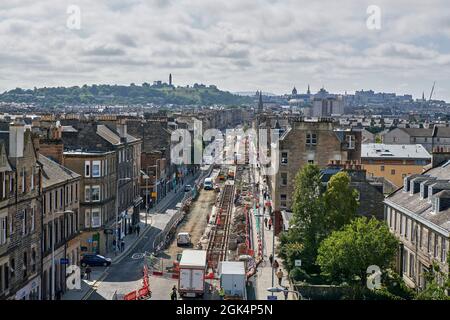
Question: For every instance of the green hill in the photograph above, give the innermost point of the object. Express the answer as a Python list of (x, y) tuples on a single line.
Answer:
[(161, 94)]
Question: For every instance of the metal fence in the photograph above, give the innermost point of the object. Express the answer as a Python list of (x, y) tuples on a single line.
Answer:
[(161, 240)]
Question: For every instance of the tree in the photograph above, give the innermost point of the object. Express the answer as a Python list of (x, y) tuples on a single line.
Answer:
[(340, 202), (308, 214), (437, 284), (346, 254)]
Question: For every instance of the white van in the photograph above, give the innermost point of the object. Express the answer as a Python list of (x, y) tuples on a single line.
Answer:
[(183, 239), (208, 184)]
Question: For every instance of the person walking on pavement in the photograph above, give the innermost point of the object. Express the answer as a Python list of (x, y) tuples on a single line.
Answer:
[(271, 259), (221, 293), (265, 222), (173, 294), (88, 273), (122, 245), (280, 275), (138, 229), (270, 224), (286, 293), (275, 264)]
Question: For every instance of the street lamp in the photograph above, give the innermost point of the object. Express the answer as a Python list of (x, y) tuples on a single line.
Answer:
[(53, 249), (116, 233), (276, 289)]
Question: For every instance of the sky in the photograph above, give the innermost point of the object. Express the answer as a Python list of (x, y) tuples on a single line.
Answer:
[(238, 45)]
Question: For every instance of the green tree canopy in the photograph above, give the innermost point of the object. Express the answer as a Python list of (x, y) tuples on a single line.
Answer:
[(346, 254), (340, 202)]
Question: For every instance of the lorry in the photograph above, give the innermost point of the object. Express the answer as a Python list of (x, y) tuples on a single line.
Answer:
[(191, 280), (233, 280)]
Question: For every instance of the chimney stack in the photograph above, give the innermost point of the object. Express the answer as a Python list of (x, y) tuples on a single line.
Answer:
[(122, 129), (16, 138)]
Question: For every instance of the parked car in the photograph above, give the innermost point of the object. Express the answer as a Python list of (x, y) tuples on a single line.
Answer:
[(187, 188), (95, 260)]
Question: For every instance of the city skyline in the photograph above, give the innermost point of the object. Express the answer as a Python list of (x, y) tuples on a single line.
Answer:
[(268, 45)]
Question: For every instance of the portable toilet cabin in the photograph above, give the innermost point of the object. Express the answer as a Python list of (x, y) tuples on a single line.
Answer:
[(233, 279)]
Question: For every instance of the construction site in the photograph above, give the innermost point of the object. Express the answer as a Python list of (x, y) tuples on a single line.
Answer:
[(211, 252)]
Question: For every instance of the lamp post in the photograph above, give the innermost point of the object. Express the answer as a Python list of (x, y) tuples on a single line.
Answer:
[(116, 233)]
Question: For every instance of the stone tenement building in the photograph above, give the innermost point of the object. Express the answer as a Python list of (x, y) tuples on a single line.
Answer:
[(108, 160), (419, 216), (310, 142), (61, 216), (20, 215)]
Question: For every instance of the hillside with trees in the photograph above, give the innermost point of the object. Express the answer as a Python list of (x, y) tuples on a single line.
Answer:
[(160, 94)]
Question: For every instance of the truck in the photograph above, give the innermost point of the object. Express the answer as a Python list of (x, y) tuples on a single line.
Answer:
[(233, 280), (191, 280)]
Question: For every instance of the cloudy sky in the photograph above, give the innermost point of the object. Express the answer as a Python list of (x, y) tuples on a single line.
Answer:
[(239, 45)]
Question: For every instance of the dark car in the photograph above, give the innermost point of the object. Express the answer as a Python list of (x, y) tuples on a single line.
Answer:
[(95, 260), (187, 188)]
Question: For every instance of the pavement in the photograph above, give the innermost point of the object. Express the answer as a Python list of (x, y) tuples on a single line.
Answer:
[(263, 277), (125, 272)]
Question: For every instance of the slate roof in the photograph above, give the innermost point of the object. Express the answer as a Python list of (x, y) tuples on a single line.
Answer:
[(422, 208), (53, 173)]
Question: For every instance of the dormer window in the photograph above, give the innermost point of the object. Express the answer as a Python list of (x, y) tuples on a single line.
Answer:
[(435, 205), (405, 184), (351, 142)]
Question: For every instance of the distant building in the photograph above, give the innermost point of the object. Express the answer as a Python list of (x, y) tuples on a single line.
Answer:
[(394, 162), (430, 138), (326, 105)]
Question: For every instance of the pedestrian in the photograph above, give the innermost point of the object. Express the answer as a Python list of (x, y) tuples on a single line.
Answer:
[(275, 264), (271, 259), (138, 229), (114, 243), (270, 224), (122, 245), (88, 273), (265, 222), (286, 293), (130, 229), (280, 276), (221, 293), (173, 294)]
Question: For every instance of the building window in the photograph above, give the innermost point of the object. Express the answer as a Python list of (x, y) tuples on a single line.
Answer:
[(381, 168), (32, 178), (3, 230), (402, 226), (87, 193), (429, 242), (310, 161), (96, 218), (25, 264), (436, 246), (95, 193), (351, 142), (96, 169), (87, 168), (33, 260), (33, 223), (283, 200), (24, 222), (412, 267), (284, 178), (284, 158), (405, 262), (23, 180), (311, 139), (392, 171), (443, 250)]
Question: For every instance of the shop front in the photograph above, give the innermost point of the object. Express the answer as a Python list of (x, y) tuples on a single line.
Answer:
[(31, 291)]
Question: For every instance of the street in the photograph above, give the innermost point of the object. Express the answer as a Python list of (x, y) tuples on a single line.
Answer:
[(126, 275)]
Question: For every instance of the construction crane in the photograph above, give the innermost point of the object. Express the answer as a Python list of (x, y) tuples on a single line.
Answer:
[(432, 91)]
